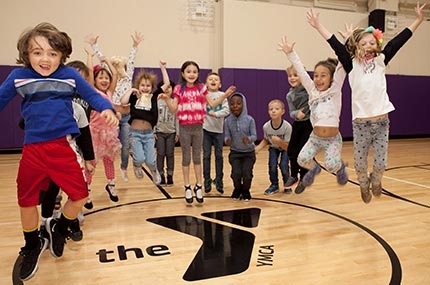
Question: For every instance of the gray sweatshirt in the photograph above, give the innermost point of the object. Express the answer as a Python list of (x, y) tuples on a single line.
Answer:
[(216, 124)]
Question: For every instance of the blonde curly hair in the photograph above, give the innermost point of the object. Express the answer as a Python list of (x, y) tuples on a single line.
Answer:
[(120, 63)]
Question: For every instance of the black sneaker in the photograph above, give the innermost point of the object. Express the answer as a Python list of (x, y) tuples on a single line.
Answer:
[(75, 230), (56, 246), (300, 188), (43, 233), (208, 185), (163, 180), (89, 204), (169, 180), (219, 185), (236, 194), (30, 260), (110, 188), (246, 196), (198, 192)]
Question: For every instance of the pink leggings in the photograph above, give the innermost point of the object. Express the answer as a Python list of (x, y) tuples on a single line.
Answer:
[(108, 164)]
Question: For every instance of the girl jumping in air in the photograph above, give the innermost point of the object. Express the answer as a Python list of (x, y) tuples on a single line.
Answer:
[(364, 60)]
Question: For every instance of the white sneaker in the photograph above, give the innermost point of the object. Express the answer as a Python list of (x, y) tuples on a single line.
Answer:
[(138, 172), (81, 218), (124, 174), (156, 178)]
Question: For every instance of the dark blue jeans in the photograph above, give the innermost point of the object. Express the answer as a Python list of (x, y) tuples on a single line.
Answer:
[(276, 155), (212, 139)]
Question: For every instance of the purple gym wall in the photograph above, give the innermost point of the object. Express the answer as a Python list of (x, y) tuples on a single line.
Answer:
[(408, 93)]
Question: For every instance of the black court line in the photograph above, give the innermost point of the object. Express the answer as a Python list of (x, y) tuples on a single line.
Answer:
[(385, 191), (396, 268), (167, 195)]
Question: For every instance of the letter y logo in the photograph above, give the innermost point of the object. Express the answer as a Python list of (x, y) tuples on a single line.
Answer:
[(225, 250)]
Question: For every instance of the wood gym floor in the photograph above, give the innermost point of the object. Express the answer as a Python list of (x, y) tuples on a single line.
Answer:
[(326, 235)]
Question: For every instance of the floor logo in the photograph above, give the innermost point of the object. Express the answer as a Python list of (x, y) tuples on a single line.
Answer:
[(226, 250)]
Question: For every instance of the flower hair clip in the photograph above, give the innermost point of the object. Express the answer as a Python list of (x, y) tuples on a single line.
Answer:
[(376, 32)]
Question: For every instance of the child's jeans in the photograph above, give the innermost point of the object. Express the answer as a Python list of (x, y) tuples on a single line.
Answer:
[(212, 139), (274, 155), (143, 148)]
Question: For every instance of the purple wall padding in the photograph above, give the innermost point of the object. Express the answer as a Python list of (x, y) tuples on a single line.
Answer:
[(12, 136), (409, 94)]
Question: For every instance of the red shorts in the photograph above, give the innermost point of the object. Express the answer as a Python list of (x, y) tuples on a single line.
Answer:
[(56, 160)]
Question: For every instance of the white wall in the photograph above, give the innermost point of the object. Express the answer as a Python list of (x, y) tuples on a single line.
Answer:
[(244, 34)]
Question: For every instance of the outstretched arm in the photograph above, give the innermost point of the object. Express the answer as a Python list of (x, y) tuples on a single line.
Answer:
[(288, 49), (313, 20), (90, 66), (137, 38), (166, 80), (92, 40), (419, 11)]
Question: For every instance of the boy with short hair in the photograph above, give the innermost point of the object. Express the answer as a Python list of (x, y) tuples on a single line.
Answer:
[(277, 134), (213, 127), (240, 135), (50, 151)]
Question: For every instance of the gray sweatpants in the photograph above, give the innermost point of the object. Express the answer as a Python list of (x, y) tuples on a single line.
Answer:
[(370, 134)]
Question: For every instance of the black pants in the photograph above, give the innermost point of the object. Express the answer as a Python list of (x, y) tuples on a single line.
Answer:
[(299, 136), (242, 165)]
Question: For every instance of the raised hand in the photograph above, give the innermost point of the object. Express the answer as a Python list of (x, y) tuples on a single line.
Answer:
[(230, 90), (419, 11), (91, 39), (137, 38), (313, 18), (285, 46), (349, 29)]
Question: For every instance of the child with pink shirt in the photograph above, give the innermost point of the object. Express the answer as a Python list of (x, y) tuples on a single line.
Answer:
[(189, 103)]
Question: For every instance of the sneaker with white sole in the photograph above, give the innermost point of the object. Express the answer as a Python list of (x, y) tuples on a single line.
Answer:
[(198, 192), (272, 190), (188, 194), (30, 259), (57, 240), (138, 172)]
